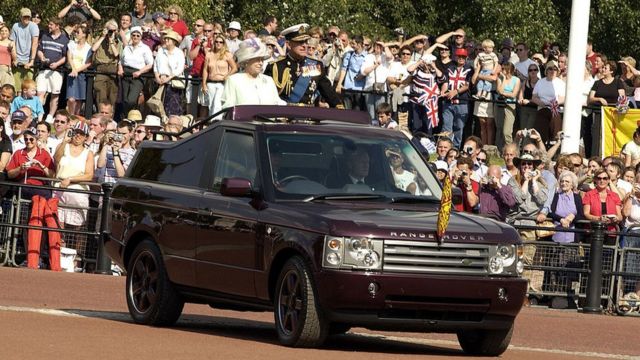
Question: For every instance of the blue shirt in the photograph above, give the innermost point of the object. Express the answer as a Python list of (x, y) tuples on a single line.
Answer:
[(351, 63), (34, 104)]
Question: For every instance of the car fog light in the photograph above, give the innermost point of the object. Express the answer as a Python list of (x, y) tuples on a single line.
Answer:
[(496, 265), (373, 288), (333, 258), (520, 267), (502, 295)]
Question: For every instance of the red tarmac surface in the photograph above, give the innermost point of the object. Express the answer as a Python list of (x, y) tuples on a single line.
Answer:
[(47, 315)]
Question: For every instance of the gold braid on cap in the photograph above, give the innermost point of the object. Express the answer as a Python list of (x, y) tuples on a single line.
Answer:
[(285, 83)]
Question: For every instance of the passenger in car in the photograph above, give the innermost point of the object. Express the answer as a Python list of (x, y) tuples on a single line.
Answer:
[(404, 180), (357, 170)]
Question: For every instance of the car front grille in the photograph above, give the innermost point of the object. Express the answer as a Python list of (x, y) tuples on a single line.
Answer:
[(429, 257)]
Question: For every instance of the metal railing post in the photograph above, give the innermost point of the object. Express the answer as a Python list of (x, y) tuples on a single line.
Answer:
[(103, 262), (88, 104), (594, 286)]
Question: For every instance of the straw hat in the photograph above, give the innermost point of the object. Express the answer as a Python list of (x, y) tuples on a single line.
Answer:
[(170, 34)]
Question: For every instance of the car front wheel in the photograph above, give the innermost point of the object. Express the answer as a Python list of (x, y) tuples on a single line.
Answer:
[(299, 320), (485, 342), (151, 298)]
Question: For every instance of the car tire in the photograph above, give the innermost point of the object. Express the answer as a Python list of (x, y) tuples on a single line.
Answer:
[(298, 318), (151, 298), (485, 342)]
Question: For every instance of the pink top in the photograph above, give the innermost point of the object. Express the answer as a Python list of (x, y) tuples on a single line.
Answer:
[(5, 55)]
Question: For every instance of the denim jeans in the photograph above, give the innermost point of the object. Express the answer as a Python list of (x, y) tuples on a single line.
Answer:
[(454, 116)]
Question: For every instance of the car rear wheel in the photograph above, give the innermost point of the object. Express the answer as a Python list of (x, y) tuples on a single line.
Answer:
[(485, 342), (299, 320), (151, 298)]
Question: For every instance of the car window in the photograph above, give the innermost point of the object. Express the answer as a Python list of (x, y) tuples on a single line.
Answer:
[(180, 165), (236, 158), (306, 165)]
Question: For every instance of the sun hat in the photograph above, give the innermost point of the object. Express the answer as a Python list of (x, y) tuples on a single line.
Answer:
[(173, 35), (251, 49), (526, 157), (137, 29), (152, 121), (441, 165), (234, 25), (24, 12), (134, 115), (551, 63)]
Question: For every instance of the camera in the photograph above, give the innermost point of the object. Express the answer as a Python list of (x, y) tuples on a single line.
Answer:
[(110, 32), (526, 132), (468, 150), (534, 173), (117, 137), (28, 163), (464, 173), (69, 133)]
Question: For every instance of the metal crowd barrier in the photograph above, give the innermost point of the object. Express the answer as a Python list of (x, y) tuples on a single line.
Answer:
[(85, 239), (592, 273)]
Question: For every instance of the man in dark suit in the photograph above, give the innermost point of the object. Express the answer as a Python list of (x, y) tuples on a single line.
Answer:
[(357, 170)]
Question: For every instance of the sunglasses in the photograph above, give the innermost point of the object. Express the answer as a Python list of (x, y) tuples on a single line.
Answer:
[(404, 53), (533, 70), (136, 35), (576, 165), (140, 132), (215, 33), (208, 31), (219, 42), (29, 139), (484, 161), (527, 163), (173, 13), (366, 45), (602, 178), (59, 122)]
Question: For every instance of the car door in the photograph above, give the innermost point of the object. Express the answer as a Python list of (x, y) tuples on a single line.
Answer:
[(226, 240)]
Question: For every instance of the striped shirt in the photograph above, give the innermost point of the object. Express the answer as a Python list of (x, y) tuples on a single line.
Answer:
[(53, 49)]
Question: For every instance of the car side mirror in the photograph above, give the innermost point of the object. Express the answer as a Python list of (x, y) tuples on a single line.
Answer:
[(456, 196), (235, 187)]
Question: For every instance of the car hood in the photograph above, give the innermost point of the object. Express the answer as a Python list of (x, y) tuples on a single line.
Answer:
[(399, 224)]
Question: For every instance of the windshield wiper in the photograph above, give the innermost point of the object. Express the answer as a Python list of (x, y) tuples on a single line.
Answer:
[(343, 196), (414, 200)]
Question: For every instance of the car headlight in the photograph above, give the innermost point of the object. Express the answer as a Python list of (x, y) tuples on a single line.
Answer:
[(352, 253), (505, 259)]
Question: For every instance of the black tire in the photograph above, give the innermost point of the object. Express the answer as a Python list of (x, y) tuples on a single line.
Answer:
[(151, 298), (485, 342), (338, 328), (298, 318)]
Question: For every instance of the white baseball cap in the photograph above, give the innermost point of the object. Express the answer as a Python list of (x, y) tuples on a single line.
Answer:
[(235, 26)]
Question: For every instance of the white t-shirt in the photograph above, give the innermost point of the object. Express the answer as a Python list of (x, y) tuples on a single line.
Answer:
[(523, 68), (402, 181), (632, 149), (397, 70), (624, 185), (242, 89), (634, 217), (548, 91), (379, 74)]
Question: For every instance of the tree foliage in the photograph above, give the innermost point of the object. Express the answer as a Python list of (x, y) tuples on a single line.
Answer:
[(613, 23)]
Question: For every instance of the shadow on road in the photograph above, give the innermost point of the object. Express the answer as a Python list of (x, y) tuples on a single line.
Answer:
[(265, 332)]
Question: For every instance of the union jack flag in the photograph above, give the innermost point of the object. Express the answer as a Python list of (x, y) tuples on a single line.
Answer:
[(623, 104), (457, 79), (428, 88), (555, 108)]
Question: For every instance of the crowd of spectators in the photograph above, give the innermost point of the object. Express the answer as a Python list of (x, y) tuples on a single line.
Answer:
[(153, 66)]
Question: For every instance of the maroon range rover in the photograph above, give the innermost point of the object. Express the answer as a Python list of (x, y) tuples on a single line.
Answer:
[(316, 216)]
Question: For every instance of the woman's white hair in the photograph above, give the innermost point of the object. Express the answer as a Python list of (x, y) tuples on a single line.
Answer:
[(571, 176)]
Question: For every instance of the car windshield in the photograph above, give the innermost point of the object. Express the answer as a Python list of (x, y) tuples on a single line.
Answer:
[(310, 166)]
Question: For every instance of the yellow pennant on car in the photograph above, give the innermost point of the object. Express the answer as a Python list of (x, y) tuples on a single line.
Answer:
[(445, 209)]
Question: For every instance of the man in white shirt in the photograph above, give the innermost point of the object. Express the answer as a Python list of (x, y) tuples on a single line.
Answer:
[(376, 69), (61, 127), (522, 66)]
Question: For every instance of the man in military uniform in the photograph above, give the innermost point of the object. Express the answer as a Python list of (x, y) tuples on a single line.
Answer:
[(299, 78)]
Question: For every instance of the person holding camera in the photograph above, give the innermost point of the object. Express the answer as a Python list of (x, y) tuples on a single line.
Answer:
[(602, 203), (116, 153), (528, 187), (30, 162), (462, 178), (106, 50), (81, 9), (495, 198)]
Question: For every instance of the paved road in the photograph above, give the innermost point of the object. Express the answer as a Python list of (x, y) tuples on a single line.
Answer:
[(81, 316)]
